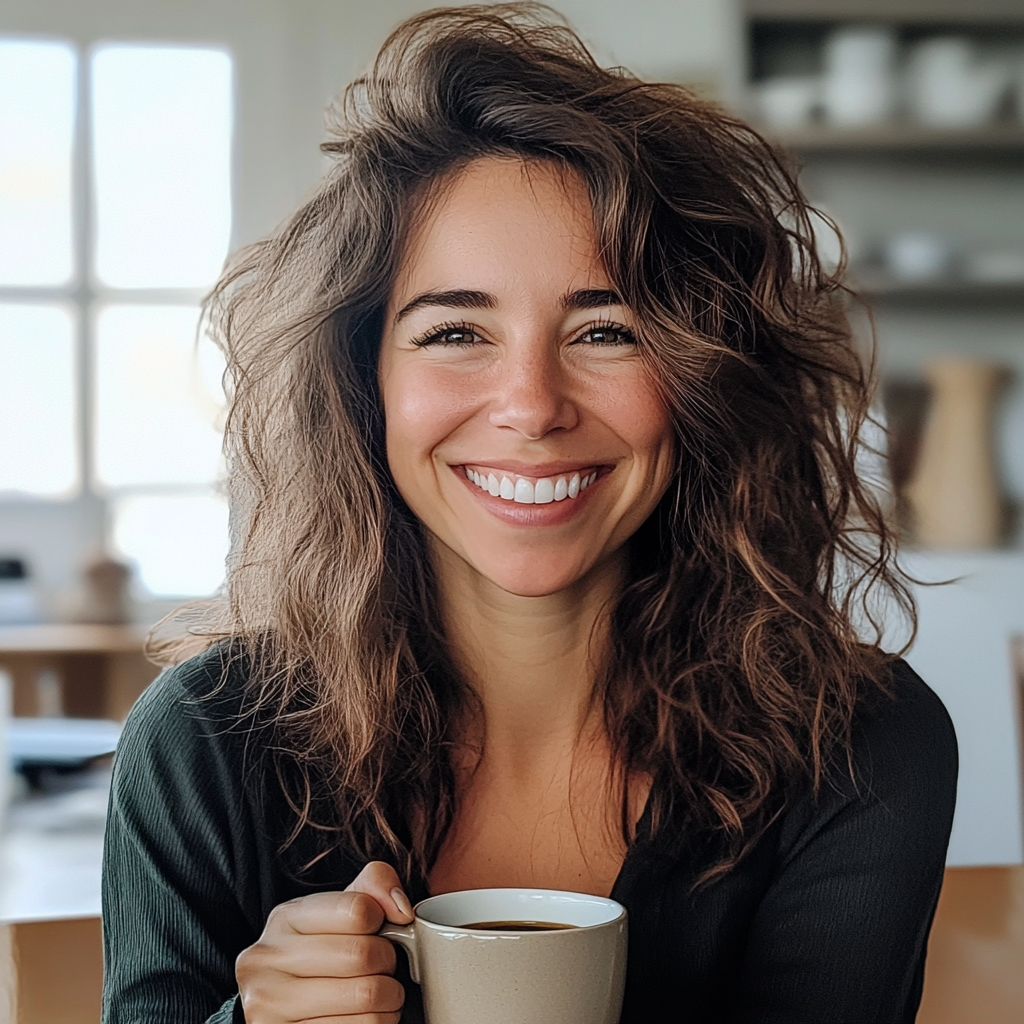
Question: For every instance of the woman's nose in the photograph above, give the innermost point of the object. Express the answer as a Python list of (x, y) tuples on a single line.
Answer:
[(533, 398)]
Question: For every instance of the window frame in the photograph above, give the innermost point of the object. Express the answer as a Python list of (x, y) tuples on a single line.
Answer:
[(84, 295)]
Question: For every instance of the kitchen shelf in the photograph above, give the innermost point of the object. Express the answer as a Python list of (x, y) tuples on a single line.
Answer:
[(900, 137), (981, 13), (940, 292)]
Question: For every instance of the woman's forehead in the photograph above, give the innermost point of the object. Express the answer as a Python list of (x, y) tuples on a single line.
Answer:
[(498, 220)]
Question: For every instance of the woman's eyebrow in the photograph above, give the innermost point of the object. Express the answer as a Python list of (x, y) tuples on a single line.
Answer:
[(457, 298), (466, 298), (590, 298)]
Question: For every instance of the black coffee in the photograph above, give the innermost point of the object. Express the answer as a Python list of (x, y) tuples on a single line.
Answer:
[(517, 926)]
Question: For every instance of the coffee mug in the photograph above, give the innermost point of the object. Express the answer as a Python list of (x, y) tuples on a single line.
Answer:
[(517, 956)]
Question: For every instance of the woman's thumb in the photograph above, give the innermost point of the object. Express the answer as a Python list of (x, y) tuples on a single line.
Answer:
[(381, 881)]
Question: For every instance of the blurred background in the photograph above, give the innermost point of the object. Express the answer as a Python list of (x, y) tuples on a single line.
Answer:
[(141, 141)]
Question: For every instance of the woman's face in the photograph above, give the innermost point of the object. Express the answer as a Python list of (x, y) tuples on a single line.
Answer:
[(522, 427)]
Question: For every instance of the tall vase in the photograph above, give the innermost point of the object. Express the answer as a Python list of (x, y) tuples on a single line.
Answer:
[(954, 494)]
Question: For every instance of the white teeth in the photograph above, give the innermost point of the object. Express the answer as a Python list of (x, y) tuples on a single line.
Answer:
[(523, 493), (526, 492), (544, 491)]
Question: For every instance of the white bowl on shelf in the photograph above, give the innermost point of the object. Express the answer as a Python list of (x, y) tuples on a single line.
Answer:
[(917, 257), (948, 86), (859, 85), (788, 101)]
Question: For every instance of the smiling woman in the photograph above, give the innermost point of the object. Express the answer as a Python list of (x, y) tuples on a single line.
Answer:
[(550, 550), (537, 393)]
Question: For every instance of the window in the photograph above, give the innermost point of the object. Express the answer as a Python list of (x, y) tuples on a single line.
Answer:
[(115, 217)]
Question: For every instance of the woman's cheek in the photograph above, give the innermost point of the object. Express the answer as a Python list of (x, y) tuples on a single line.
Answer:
[(422, 408)]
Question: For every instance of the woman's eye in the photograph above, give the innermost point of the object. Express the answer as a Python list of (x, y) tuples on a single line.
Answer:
[(460, 336), (608, 336)]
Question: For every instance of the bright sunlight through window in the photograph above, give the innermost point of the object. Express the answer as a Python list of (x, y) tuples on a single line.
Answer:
[(37, 115), (37, 400), (102, 264), (162, 139), (158, 404), (178, 543)]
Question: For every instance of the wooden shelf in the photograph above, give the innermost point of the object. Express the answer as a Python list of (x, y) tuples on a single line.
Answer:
[(900, 138), (908, 12), (72, 638), (941, 292)]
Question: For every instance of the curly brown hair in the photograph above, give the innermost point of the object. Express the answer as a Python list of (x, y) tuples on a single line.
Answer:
[(738, 657)]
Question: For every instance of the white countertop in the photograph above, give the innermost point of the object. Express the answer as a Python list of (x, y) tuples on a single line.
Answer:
[(51, 852)]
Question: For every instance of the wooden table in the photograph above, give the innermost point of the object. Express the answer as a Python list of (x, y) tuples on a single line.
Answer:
[(50, 951), (51, 958), (101, 670)]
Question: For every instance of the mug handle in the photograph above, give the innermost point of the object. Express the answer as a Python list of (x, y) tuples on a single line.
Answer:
[(405, 936)]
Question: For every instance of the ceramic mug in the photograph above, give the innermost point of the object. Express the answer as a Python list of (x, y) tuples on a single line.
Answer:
[(573, 974)]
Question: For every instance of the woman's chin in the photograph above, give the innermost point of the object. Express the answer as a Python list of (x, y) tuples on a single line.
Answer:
[(536, 574), (533, 578)]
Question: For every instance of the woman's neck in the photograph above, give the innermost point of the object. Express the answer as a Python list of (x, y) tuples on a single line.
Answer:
[(531, 661)]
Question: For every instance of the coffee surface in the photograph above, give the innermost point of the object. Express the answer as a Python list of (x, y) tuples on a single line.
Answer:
[(517, 926)]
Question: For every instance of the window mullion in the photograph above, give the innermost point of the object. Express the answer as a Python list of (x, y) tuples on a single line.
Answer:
[(84, 231)]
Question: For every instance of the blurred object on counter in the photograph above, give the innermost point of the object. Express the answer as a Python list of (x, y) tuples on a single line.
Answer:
[(917, 256), (5, 757), (859, 87), (58, 747), (788, 101), (105, 595), (949, 86), (905, 401), (954, 495), (49, 694), (995, 266), (18, 603)]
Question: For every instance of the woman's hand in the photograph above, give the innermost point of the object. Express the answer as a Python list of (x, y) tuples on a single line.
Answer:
[(319, 957)]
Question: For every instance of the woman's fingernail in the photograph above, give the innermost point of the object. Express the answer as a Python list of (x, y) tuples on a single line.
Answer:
[(402, 901)]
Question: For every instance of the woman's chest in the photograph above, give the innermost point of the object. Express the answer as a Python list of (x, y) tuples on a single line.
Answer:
[(511, 847), (550, 837)]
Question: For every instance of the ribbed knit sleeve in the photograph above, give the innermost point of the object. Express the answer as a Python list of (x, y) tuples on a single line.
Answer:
[(841, 933), (178, 849)]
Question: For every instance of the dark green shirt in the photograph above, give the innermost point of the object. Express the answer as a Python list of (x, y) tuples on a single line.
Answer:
[(826, 920)]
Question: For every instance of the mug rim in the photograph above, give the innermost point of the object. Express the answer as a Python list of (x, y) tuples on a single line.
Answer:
[(607, 901)]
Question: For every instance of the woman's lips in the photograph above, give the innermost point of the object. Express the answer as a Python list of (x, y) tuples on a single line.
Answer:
[(562, 495), (525, 490)]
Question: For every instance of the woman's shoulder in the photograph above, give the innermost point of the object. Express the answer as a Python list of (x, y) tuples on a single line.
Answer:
[(893, 790), (904, 727), (902, 761), (197, 703)]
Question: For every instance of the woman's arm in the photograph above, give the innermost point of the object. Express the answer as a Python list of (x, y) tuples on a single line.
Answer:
[(180, 899), (196, 906), (842, 933)]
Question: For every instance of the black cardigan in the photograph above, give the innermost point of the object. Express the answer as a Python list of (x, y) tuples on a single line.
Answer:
[(825, 922)]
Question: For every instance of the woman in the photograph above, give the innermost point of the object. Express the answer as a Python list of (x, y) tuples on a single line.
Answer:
[(549, 550)]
